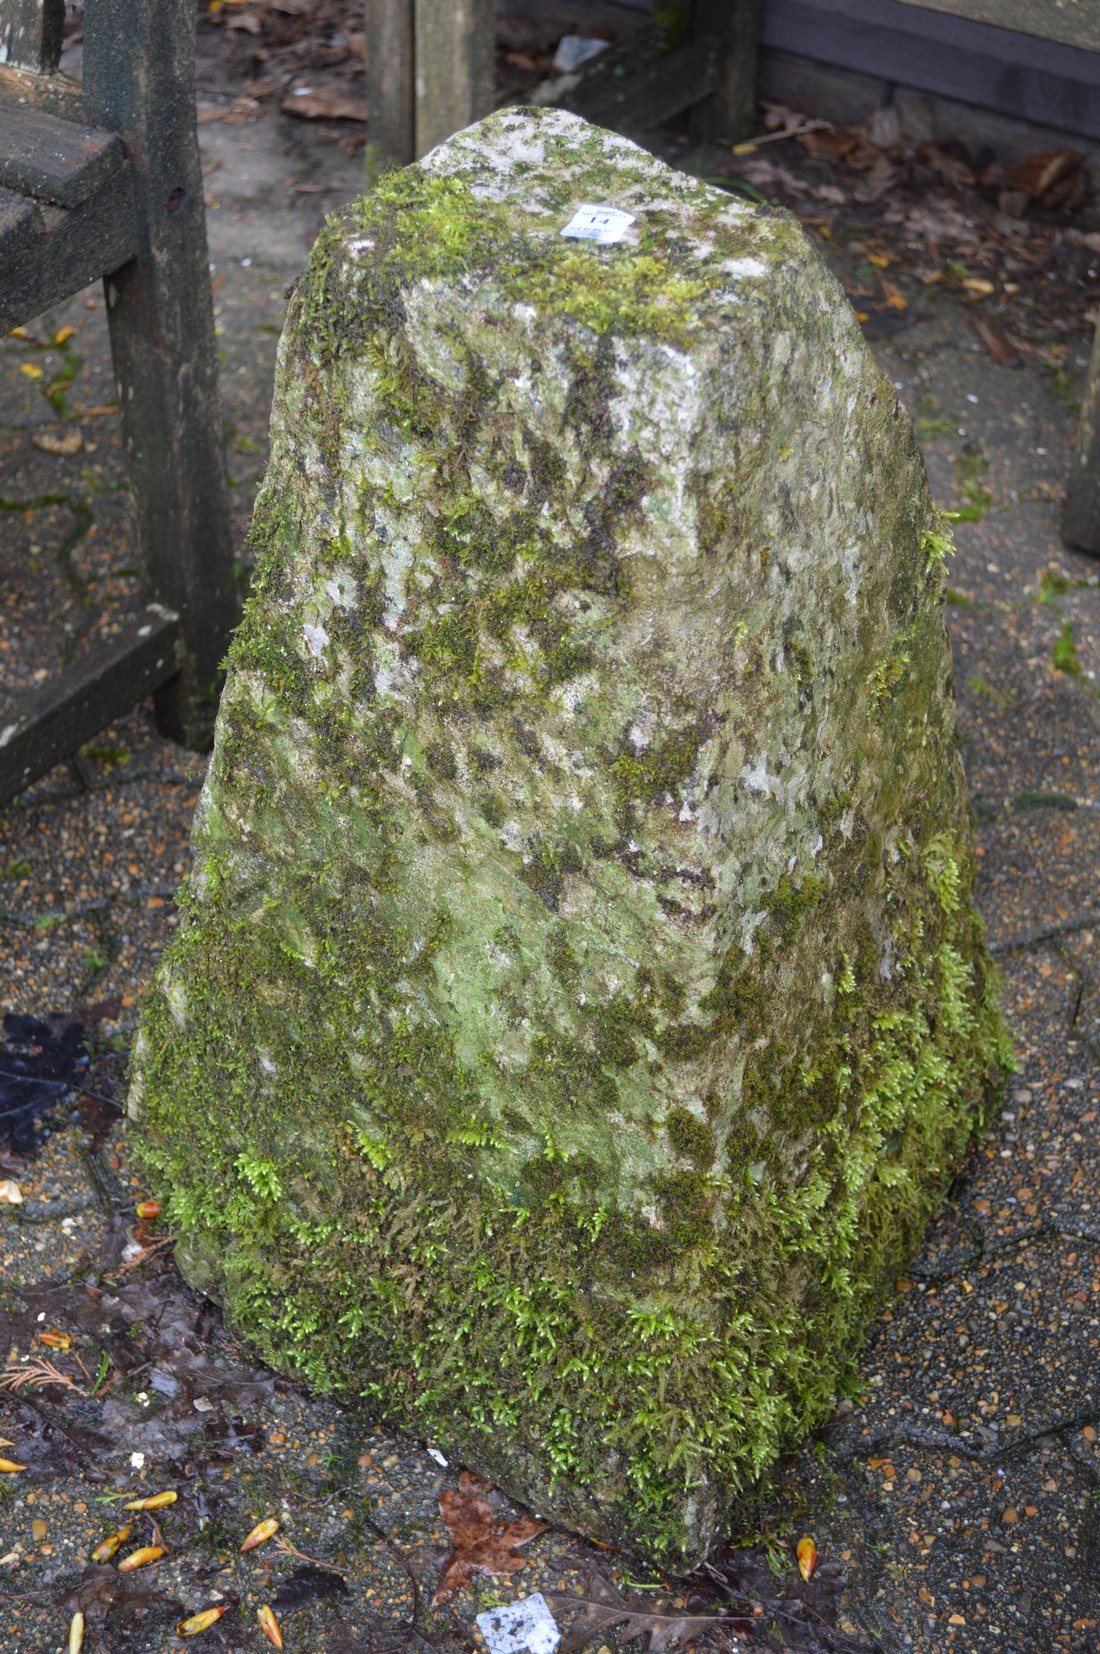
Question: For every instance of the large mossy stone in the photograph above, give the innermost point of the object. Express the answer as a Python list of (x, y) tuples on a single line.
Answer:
[(579, 1002)]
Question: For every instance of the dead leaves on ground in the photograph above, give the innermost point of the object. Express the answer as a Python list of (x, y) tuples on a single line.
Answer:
[(35, 1375), (894, 147), (481, 1541), (630, 1616), (310, 54)]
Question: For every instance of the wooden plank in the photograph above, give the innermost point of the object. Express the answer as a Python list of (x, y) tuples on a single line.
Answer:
[(391, 127), (455, 44), (1081, 511), (58, 94), (1019, 75), (70, 249), (20, 222), (55, 160), (43, 729), (658, 92), (1072, 22), (635, 87), (30, 34), (139, 62), (729, 112)]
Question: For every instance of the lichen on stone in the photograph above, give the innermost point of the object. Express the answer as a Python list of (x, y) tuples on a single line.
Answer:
[(579, 1003)]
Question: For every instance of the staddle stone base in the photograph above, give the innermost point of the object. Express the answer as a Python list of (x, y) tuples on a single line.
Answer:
[(579, 1003)]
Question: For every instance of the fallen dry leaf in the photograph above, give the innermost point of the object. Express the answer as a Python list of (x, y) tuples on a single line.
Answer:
[(482, 1542), (76, 1633), (828, 146), (155, 1501), (325, 106), (807, 1556), (139, 1558), (604, 1608), (263, 1530), (241, 109), (106, 1549), (998, 344), (35, 1375), (201, 1622), (269, 1625), (9, 1466), (1038, 174), (950, 168), (55, 1340), (880, 177), (64, 443)]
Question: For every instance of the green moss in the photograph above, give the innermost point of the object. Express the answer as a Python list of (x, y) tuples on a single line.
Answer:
[(689, 1136), (1065, 652)]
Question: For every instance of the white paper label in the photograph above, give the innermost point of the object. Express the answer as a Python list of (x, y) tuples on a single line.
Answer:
[(601, 224), (523, 1627)]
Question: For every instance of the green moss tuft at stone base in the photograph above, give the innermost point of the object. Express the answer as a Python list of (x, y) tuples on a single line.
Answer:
[(580, 1004)]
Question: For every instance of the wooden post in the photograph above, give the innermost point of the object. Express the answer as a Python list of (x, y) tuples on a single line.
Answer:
[(139, 58), (30, 34), (455, 50), (391, 130), (727, 114), (1081, 512), (429, 73)]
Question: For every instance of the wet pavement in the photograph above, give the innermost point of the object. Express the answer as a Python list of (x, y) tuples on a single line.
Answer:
[(957, 1488)]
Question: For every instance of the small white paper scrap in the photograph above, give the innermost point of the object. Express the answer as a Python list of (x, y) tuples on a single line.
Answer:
[(434, 1453), (523, 1627), (602, 224), (575, 49)]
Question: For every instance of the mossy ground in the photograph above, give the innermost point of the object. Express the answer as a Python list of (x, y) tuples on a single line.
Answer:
[(580, 1004)]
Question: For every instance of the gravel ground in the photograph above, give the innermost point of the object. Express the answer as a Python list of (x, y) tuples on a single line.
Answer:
[(956, 1493)]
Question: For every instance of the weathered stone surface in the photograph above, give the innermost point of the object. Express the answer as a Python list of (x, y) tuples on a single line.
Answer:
[(579, 1001)]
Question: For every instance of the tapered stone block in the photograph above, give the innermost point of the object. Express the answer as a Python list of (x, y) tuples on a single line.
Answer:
[(578, 1004)]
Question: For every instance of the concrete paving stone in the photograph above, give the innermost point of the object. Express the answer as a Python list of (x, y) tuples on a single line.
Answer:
[(1027, 728), (989, 1359), (1020, 896), (59, 1226), (975, 1556)]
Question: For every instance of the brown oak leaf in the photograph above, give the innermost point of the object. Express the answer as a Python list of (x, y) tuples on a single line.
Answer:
[(481, 1541)]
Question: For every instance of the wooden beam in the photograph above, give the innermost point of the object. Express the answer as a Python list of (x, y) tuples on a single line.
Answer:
[(161, 319), (30, 34), (1072, 22), (55, 160), (455, 46), (20, 223), (40, 730), (633, 95), (728, 113), (391, 122), (69, 248), (55, 93), (1081, 511)]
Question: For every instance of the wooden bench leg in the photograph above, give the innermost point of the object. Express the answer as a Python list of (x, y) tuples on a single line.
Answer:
[(1081, 513), (727, 114), (139, 58)]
